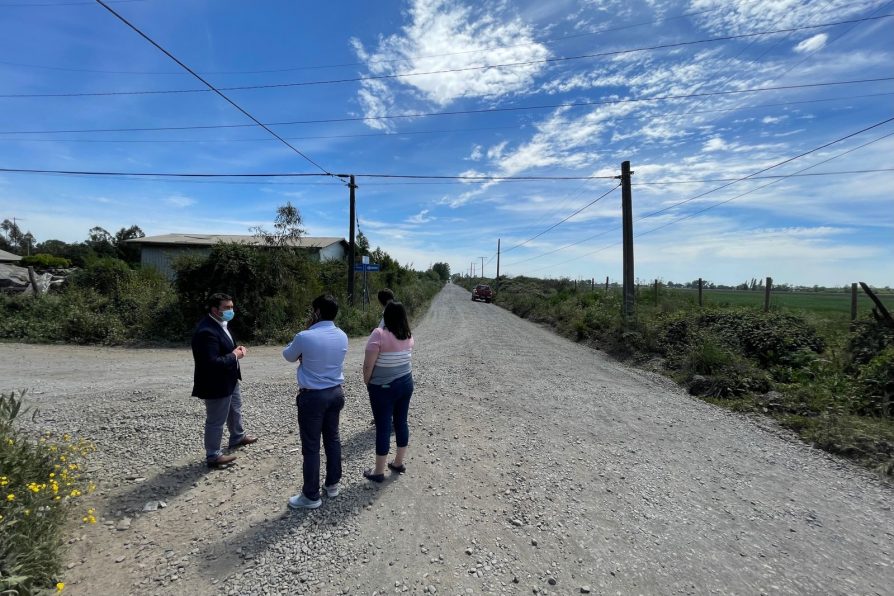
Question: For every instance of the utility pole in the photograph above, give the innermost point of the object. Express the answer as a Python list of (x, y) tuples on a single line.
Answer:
[(498, 265), (482, 266), (352, 246), (629, 291)]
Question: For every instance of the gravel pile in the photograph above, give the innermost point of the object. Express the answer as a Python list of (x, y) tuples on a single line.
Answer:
[(537, 466)]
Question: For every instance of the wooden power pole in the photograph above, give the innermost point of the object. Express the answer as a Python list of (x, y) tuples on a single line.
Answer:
[(352, 246), (629, 291), (498, 265)]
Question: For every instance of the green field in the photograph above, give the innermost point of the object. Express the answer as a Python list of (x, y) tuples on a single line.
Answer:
[(818, 302)]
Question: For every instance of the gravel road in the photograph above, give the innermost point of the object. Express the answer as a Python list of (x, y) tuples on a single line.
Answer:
[(536, 466)]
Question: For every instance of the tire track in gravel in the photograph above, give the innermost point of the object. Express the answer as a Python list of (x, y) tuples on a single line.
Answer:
[(536, 466)]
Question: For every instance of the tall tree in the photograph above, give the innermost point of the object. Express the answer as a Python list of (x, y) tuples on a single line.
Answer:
[(442, 269), (286, 227), (126, 251)]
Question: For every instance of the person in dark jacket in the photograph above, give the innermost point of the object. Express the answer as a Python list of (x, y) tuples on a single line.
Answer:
[(216, 379)]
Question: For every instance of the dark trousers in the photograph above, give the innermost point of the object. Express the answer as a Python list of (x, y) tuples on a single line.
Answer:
[(318, 412), (390, 405)]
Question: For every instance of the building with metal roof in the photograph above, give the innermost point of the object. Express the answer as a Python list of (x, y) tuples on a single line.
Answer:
[(161, 251), (8, 257)]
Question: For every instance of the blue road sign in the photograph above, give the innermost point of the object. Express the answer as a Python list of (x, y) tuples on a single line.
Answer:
[(366, 267)]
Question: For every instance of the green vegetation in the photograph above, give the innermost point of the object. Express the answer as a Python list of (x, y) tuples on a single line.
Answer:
[(40, 484), (111, 300), (803, 362), (45, 261)]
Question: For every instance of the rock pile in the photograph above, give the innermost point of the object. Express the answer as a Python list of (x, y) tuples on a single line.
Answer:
[(15, 280)]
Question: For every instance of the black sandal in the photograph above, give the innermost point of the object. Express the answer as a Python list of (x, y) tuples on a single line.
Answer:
[(399, 469), (368, 474)]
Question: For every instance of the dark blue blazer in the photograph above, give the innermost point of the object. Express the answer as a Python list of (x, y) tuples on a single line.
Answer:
[(217, 368)]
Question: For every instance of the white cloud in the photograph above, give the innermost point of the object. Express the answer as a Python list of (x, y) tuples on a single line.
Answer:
[(420, 218), (715, 144), (812, 44), (446, 35), (180, 201), (476, 154)]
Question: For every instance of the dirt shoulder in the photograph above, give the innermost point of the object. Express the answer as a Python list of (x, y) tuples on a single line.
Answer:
[(536, 465)]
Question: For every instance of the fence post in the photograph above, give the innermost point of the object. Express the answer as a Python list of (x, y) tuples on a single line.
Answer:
[(767, 294), (606, 284), (656, 293), (700, 283), (853, 302)]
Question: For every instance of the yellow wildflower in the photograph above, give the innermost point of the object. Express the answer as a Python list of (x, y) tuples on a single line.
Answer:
[(60, 586), (10, 497)]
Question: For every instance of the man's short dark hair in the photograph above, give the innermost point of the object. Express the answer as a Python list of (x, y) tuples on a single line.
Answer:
[(214, 300), (327, 306), (385, 296)]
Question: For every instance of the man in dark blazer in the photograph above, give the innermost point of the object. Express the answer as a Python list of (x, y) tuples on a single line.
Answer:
[(216, 379)]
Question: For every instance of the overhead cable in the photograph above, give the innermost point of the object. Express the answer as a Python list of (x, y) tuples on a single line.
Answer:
[(210, 86), (557, 224), (354, 64), (426, 73), (478, 111), (741, 179)]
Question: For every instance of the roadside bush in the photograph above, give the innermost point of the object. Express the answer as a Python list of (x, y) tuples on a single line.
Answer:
[(40, 484), (103, 276), (32, 318), (45, 261), (769, 338), (876, 379), (868, 339)]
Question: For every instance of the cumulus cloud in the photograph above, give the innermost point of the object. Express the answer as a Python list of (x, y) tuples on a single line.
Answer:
[(179, 201), (447, 35), (420, 218), (476, 154), (812, 44), (715, 144)]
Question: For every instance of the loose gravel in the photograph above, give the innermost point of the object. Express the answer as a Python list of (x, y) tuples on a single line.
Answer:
[(536, 466)]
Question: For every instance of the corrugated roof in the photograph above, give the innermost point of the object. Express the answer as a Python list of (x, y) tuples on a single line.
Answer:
[(8, 256), (212, 239)]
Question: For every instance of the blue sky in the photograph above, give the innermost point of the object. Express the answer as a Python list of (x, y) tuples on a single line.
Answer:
[(518, 100)]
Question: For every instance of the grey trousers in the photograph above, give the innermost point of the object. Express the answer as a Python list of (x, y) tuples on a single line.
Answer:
[(220, 411)]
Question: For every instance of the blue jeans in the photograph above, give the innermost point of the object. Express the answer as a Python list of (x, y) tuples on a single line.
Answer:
[(318, 413), (390, 405), (220, 411)]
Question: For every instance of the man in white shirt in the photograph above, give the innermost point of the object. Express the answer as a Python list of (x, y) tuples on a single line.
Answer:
[(320, 351)]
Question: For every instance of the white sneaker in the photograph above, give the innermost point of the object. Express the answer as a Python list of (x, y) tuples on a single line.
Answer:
[(301, 502), (332, 491)]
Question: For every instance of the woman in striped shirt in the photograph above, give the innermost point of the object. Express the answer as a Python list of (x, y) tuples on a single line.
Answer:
[(388, 374)]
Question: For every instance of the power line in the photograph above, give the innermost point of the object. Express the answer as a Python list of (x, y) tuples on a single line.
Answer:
[(776, 165), (478, 111), (210, 86), (353, 64), (799, 172), (43, 4), (293, 175), (728, 78), (555, 225), (419, 180), (741, 179), (711, 180), (427, 73), (267, 139)]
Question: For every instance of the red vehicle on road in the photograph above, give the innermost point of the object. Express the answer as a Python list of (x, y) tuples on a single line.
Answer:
[(483, 292)]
